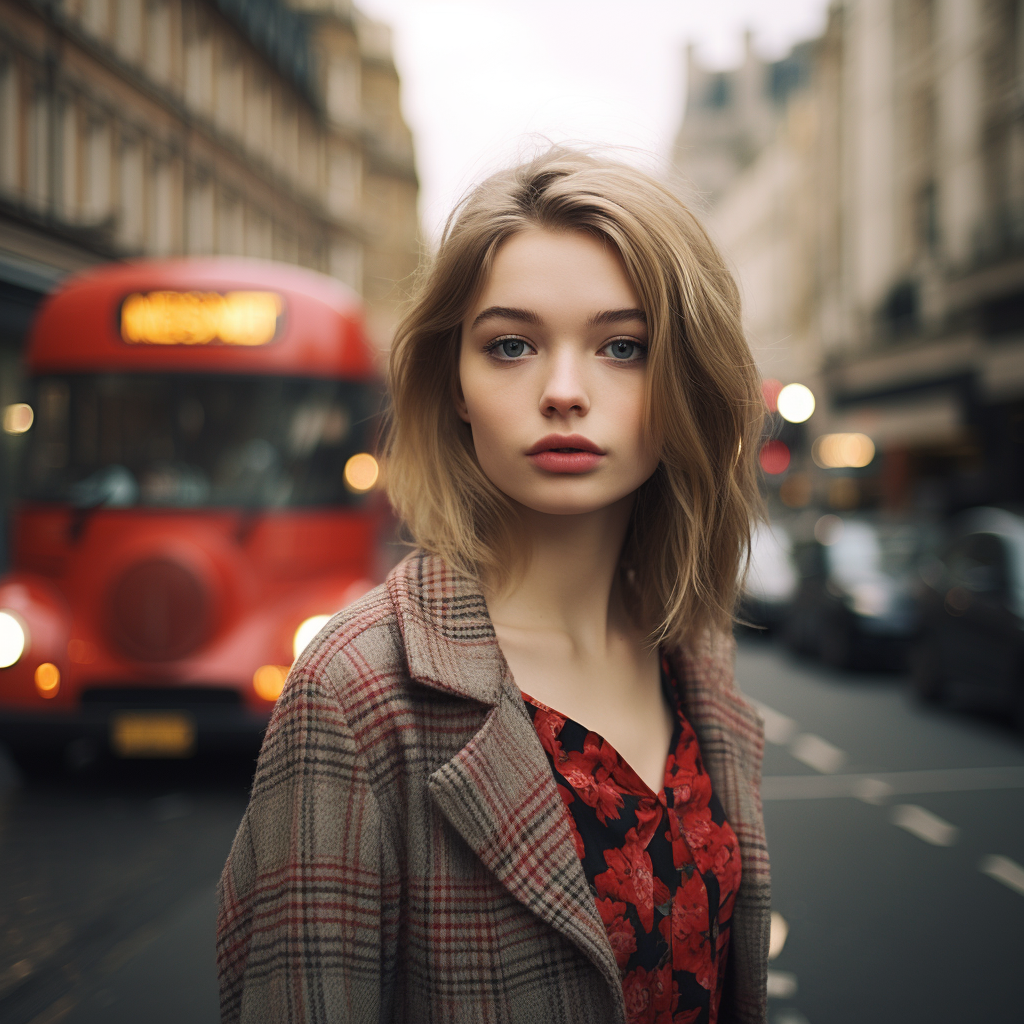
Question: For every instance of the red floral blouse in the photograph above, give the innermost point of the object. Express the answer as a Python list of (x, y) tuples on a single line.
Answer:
[(664, 868)]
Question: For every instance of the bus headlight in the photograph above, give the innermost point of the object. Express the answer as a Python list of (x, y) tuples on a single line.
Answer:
[(13, 638), (306, 631)]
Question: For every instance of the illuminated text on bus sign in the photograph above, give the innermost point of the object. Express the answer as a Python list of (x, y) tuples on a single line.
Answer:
[(200, 318)]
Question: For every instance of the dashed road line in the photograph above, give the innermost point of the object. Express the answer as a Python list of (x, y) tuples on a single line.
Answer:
[(1004, 870), (781, 985), (817, 753), (877, 787), (922, 823), (778, 728)]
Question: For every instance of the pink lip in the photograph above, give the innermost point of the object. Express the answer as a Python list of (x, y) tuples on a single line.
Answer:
[(561, 453)]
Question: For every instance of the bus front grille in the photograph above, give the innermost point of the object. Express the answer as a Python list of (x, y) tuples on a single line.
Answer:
[(158, 610)]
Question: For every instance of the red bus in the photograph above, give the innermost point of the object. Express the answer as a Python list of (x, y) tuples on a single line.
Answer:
[(196, 502)]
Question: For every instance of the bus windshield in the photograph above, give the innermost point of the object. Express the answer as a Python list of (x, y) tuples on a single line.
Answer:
[(196, 441)]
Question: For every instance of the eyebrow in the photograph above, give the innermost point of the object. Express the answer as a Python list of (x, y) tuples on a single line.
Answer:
[(526, 316)]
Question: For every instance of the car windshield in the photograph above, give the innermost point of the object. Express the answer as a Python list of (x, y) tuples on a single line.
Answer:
[(864, 550), (191, 441)]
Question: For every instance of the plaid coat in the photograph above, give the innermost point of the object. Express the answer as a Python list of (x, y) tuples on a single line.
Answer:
[(405, 855)]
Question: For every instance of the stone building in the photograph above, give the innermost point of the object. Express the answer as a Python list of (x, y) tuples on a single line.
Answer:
[(878, 233), (160, 127), (165, 127)]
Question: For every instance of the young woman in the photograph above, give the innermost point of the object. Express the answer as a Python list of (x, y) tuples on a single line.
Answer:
[(516, 783)]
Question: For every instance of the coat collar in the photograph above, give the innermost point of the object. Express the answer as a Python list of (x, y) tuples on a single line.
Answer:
[(497, 791)]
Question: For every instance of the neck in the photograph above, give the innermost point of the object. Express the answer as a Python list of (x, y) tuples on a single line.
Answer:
[(571, 581)]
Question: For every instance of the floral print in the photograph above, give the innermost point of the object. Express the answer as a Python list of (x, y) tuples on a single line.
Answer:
[(664, 867)]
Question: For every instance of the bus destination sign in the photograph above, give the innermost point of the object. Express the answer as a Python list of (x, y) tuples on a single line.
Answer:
[(200, 318)]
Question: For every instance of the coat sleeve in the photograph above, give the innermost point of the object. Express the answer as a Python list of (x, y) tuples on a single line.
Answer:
[(308, 897)]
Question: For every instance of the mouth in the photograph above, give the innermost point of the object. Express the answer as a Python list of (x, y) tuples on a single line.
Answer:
[(572, 444)]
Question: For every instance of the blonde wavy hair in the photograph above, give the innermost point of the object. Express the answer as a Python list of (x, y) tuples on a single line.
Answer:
[(689, 534)]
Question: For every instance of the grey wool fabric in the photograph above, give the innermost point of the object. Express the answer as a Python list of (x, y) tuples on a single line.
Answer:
[(405, 855)]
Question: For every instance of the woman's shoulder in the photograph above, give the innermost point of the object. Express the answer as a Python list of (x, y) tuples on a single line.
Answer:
[(706, 666), (421, 614)]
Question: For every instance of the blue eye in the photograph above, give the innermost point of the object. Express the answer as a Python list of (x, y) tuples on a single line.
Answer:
[(624, 349), (508, 349), (513, 347)]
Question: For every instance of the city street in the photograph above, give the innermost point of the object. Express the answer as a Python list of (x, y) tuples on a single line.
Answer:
[(896, 835)]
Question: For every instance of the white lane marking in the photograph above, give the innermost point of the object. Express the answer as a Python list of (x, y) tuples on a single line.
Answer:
[(872, 791), (778, 728), (935, 780), (781, 985), (817, 753), (923, 824), (1004, 870), (789, 1016), (780, 929)]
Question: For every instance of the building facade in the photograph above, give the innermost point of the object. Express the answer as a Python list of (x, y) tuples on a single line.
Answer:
[(133, 128), (878, 234)]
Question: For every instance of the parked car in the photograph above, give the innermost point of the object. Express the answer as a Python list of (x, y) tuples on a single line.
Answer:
[(854, 603), (970, 648), (771, 579)]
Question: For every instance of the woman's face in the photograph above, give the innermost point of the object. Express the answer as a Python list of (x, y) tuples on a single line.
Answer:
[(553, 370)]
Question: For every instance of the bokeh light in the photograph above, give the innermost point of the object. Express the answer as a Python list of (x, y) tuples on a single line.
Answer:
[(774, 457), (361, 472), (268, 681), (18, 418), (47, 679), (306, 631), (843, 451), (795, 403), (13, 638)]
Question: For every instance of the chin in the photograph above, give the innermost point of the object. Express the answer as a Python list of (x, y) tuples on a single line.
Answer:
[(564, 504)]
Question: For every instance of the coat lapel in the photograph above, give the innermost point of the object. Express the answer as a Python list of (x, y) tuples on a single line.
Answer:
[(498, 791)]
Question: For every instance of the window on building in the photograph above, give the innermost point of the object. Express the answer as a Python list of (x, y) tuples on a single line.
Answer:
[(69, 160), (257, 115), (198, 61), (228, 111), (343, 89), (718, 93), (199, 218), (10, 124), (346, 262), (343, 181), (230, 226), (96, 18), (38, 190), (129, 29), (97, 172), (161, 219), (158, 41), (130, 220), (258, 235), (928, 217)]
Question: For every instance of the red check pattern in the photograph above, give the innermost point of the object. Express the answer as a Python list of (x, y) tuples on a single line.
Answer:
[(405, 855)]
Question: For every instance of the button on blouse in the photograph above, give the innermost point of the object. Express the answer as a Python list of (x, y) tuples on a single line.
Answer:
[(664, 867)]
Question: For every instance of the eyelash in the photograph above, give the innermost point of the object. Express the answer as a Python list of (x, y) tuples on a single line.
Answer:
[(493, 346)]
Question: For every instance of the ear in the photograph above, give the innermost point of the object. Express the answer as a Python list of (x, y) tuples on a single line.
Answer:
[(460, 402)]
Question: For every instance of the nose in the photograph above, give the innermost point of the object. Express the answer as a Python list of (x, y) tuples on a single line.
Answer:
[(565, 391)]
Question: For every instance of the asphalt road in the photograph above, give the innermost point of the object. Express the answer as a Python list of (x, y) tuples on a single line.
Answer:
[(896, 835)]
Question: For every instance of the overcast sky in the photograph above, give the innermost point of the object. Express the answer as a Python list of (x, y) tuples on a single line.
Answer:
[(483, 80)]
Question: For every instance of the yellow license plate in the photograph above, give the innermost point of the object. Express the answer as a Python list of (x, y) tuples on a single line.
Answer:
[(153, 734)]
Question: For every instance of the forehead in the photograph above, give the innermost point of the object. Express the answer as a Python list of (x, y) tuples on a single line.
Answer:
[(539, 267)]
